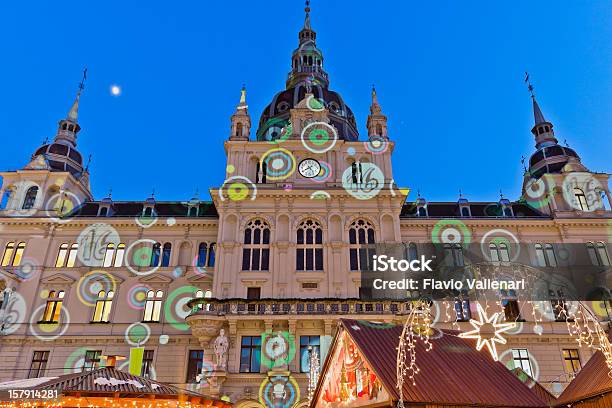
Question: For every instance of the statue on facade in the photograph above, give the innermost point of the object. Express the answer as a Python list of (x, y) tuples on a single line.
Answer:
[(220, 347)]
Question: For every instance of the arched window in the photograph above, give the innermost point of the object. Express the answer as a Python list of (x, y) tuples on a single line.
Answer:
[(155, 254), (18, 254), (411, 252), (148, 212), (103, 211), (309, 250), (239, 129), (61, 255), (72, 255), (119, 255), (53, 307), (598, 253), (30, 198), (422, 212), (507, 211), (8, 254), (153, 306), (6, 198), (499, 252), (256, 250), (165, 261), (103, 306), (109, 255), (193, 212), (465, 212), (211, 255), (545, 255), (453, 254), (361, 245), (581, 199), (202, 253)]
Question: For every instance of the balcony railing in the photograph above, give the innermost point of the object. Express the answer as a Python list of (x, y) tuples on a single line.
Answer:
[(208, 306)]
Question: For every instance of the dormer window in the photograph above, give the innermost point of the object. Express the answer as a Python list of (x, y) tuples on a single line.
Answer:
[(507, 211), (422, 211), (193, 211), (148, 211), (465, 211)]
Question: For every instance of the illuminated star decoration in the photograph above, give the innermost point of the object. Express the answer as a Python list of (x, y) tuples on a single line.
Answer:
[(487, 331)]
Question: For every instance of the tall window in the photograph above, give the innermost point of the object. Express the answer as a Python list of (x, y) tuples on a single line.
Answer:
[(581, 199), (114, 256), (545, 255), (53, 307), (305, 342), (206, 254), (147, 363), (571, 360), (512, 311), (309, 251), (30, 198), (155, 254), (194, 365), (453, 253), (521, 360), (103, 306), (499, 252), (67, 255), (13, 254), (462, 310), (361, 245), (250, 353), (153, 305), (92, 360), (256, 250), (411, 252), (38, 365), (166, 252), (598, 253)]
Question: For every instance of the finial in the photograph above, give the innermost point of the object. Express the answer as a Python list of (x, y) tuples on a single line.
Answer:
[(529, 86), (307, 8), (523, 163), (501, 195), (373, 90), (153, 193), (46, 140), (242, 104), (460, 194), (88, 162), (419, 193), (196, 196), (110, 192), (565, 143), (82, 84)]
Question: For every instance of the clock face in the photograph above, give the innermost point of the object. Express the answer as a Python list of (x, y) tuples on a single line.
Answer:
[(309, 168)]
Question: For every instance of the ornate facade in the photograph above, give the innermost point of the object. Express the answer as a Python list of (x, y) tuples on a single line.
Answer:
[(274, 260)]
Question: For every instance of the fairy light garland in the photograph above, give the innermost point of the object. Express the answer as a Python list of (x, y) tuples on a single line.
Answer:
[(417, 327)]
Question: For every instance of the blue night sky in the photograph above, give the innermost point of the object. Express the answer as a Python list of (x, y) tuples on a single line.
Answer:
[(449, 77)]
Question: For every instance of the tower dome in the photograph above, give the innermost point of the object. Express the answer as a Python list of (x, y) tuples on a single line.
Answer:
[(306, 76)]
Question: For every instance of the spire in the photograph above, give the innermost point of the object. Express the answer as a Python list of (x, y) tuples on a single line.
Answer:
[(377, 121), (307, 17), (241, 120), (73, 114), (375, 107), (542, 129), (307, 59)]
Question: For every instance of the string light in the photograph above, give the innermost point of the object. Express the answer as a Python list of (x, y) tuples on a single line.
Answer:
[(417, 327), (313, 371)]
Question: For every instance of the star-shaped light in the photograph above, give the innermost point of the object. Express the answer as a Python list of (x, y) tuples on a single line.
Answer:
[(487, 331)]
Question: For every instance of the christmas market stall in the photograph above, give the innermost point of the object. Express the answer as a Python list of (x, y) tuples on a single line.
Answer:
[(361, 370), (592, 387), (104, 387)]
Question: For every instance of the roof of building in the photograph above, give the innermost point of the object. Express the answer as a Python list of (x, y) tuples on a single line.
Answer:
[(101, 381), (592, 380), (452, 372), (206, 209), (535, 386), (477, 209)]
